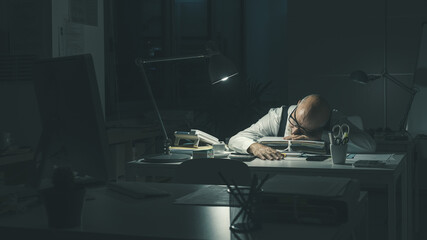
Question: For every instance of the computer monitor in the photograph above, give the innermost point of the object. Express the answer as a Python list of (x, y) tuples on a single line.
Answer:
[(73, 125)]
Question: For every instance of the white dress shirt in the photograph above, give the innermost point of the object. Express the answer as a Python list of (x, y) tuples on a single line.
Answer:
[(359, 140)]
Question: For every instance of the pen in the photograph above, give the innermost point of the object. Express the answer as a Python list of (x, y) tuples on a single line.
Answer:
[(330, 138)]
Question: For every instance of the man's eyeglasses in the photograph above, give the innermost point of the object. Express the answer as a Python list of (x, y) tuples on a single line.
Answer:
[(294, 123)]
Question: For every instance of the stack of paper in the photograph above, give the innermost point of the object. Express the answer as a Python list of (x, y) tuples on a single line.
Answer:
[(294, 145), (195, 136), (277, 142), (206, 150)]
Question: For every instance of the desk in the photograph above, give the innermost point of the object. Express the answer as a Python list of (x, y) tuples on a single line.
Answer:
[(395, 170), (110, 215)]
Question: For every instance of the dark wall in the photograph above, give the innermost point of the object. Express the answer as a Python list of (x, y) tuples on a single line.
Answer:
[(25, 29), (328, 40), (265, 39), (250, 33), (302, 47)]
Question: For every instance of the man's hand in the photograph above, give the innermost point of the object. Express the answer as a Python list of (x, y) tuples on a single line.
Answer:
[(264, 152)]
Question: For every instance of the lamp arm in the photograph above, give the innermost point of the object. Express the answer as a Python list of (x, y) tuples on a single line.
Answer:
[(412, 91), (140, 63), (170, 59), (408, 108)]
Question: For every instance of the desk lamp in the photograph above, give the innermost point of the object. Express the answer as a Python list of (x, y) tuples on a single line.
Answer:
[(363, 78), (220, 70)]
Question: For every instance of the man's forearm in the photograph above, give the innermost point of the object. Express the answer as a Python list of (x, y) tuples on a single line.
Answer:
[(240, 144)]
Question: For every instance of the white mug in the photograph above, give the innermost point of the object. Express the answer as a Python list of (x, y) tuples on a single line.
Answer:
[(218, 147)]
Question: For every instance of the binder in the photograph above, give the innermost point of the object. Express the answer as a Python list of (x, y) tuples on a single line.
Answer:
[(195, 136)]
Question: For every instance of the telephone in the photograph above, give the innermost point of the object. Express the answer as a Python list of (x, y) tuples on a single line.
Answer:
[(196, 136)]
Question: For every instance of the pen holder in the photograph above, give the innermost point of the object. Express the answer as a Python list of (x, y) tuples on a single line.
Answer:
[(64, 207), (338, 153), (64, 200), (245, 209)]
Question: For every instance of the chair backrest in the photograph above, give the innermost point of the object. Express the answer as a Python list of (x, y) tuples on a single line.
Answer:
[(205, 171), (356, 120)]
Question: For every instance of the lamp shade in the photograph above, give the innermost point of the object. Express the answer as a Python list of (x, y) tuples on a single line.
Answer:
[(362, 77), (220, 68)]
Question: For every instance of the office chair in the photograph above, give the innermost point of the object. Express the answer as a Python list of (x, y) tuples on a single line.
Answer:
[(205, 171), (356, 120)]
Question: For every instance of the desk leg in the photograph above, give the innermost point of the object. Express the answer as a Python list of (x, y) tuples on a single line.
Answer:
[(365, 222), (130, 173), (410, 186), (392, 210), (406, 209)]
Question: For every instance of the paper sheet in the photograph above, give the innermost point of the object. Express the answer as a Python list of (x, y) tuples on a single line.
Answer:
[(381, 157), (388, 158)]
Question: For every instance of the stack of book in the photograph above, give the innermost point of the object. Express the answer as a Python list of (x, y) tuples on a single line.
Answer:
[(307, 146), (196, 152)]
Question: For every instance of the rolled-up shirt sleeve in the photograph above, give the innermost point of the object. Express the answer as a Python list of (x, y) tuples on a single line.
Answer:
[(268, 125)]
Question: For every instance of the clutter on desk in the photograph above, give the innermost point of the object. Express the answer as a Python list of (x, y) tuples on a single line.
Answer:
[(308, 146), (338, 138), (339, 153), (195, 136), (375, 160), (199, 144), (339, 134), (196, 152)]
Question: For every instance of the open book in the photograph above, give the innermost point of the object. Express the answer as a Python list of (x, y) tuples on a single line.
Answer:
[(307, 146)]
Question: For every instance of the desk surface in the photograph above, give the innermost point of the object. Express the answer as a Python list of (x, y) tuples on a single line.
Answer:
[(387, 177), (293, 164), (110, 215)]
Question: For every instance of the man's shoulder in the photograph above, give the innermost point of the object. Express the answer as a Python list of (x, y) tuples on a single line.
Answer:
[(276, 112)]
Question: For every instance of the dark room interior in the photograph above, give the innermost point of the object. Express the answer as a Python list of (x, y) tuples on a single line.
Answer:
[(102, 86)]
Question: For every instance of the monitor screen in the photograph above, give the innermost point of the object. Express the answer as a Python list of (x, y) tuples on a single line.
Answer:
[(73, 124)]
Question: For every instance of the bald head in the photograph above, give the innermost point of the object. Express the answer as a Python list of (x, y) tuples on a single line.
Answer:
[(312, 112)]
